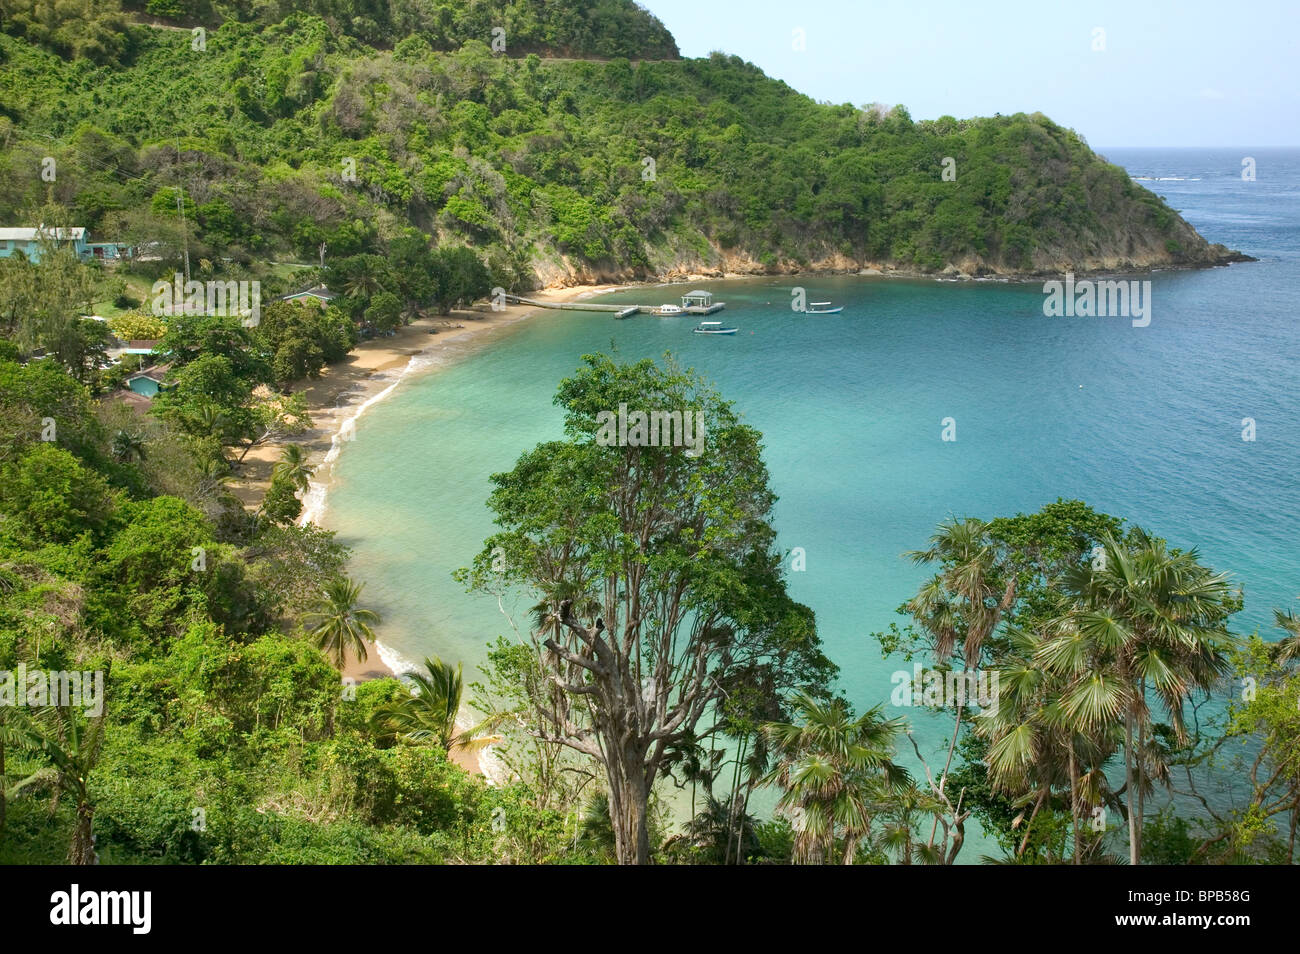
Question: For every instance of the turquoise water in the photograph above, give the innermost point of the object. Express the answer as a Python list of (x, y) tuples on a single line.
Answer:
[(1144, 423)]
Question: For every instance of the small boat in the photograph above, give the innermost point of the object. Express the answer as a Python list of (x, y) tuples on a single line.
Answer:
[(668, 310), (713, 328), (822, 308)]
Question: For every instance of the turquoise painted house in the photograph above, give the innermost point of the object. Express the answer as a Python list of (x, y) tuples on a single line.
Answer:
[(28, 242), (149, 381)]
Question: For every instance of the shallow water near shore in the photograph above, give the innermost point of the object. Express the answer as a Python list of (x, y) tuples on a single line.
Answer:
[(1141, 422)]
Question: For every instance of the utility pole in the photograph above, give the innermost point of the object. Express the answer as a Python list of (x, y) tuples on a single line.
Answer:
[(180, 207)]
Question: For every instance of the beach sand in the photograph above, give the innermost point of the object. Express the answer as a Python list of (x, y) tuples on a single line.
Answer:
[(373, 365), (370, 368)]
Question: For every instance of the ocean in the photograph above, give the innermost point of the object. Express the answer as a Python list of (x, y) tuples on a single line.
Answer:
[(1144, 423)]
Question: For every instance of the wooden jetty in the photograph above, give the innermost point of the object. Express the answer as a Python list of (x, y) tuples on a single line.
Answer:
[(694, 303)]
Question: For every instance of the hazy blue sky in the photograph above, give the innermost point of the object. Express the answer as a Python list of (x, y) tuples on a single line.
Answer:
[(1189, 73)]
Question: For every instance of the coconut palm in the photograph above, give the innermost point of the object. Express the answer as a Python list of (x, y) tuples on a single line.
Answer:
[(695, 764), (292, 467), (1144, 616), (429, 713), (364, 284), (833, 770), (72, 751), (338, 624)]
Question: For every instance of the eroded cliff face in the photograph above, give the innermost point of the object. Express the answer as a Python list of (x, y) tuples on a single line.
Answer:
[(1136, 250)]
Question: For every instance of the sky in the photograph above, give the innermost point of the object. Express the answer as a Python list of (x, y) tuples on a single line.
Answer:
[(1207, 73)]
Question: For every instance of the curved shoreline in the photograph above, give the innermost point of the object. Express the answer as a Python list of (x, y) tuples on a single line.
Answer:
[(370, 374)]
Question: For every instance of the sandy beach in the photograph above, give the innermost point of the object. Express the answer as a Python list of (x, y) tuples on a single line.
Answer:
[(373, 365), (371, 368)]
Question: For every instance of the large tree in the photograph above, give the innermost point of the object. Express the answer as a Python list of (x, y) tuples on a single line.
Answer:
[(661, 574)]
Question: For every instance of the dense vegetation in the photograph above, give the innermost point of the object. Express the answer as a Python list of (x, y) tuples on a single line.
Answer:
[(294, 140), (228, 736), (665, 660)]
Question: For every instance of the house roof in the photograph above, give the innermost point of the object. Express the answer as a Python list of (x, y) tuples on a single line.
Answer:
[(318, 291), (155, 373), (32, 234), (136, 401), (143, 343), (698, 292)]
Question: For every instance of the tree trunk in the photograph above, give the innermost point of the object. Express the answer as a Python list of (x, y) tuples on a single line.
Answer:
[(82, 851), (1139, 773), (1128, 784), (943, 779), (1074, 802), (628, 806)]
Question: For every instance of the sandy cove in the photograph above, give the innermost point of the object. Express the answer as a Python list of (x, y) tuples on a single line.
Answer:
[(372, 366), (367, 370)]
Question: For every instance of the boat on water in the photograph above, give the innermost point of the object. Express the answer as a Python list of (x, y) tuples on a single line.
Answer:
[(670, 311), (713, 328), (823, 308)]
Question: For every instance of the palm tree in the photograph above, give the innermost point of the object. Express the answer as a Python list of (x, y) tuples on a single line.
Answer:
[(364, 284), (338, 625), (961, 605), (545, 613), (964, 602), (907, 807), (128, 446), (1034, 748), (73, 752), (429, 713), (9, 734), (833, 770), (292, 466), (1288, 647), (695, 763), (713, 831), (210, 421), (1148, 617)]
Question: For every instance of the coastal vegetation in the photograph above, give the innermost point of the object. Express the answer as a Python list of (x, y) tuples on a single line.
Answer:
[(665, 661), (664, 656), (309, 140)]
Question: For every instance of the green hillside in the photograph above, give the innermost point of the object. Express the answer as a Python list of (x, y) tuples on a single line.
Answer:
[(541, 163)]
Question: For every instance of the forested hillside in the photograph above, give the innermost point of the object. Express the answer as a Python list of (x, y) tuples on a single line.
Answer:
[(295, 148), (286, 135)]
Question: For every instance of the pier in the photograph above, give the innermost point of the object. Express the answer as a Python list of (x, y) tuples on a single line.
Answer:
[(693, 303)]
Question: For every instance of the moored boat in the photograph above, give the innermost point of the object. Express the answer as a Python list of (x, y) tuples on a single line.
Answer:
[(713, 328), (823, 308)]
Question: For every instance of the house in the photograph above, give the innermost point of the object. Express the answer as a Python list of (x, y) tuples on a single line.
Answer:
[(149, 381), (32, 241), (319, 293)]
